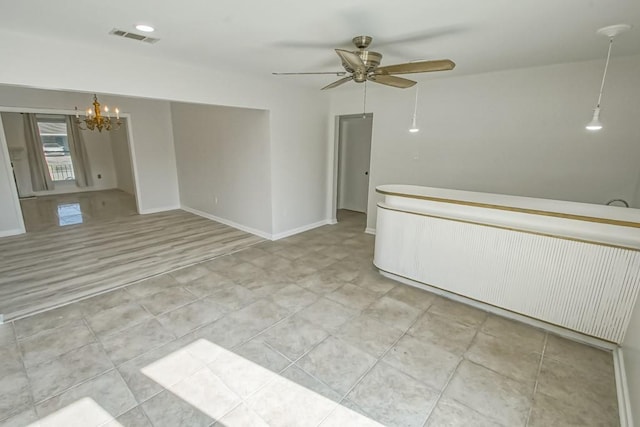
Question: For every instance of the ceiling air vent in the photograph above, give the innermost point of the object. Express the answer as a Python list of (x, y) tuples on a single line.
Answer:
[(132, 36)]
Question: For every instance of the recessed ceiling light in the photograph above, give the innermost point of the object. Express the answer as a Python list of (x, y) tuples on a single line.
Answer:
[(145, 28)]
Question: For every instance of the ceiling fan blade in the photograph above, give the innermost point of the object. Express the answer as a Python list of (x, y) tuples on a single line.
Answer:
[(338, 82), (351, 59), (335, 73), (417, 67), (391, 81)]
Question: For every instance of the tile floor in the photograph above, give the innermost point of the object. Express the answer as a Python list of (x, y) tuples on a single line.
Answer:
[(301, 331)]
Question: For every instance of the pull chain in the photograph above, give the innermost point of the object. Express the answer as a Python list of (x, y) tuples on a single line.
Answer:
[(364, 104)]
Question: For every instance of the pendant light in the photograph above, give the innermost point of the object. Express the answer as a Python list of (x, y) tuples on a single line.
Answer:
[(611, 32), (414, 127)]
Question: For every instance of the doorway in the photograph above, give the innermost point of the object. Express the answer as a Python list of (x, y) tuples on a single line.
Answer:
[(353, 154), (108, 191)]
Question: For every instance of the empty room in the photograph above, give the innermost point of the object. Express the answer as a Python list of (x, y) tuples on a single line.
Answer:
[(330, 214)]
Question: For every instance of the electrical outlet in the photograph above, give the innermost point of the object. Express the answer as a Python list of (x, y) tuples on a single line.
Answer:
[(99, 176)]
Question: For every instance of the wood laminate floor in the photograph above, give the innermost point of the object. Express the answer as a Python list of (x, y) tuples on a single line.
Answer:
[(56, 265)]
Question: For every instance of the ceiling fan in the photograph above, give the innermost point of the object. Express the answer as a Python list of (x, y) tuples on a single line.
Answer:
[(363, 65)]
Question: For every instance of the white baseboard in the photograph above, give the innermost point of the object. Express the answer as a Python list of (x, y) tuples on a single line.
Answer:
[(302, 229), (156, 210), (14, 232), (624, 402), (332, 221), (224, 221), (370, 230)]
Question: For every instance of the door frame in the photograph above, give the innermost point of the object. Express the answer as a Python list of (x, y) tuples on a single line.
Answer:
[(336, 159)]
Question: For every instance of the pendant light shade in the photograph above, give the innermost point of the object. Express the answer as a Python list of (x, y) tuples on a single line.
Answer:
[(595, 124)]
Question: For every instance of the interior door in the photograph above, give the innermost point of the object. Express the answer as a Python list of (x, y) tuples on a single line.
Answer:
[(354, 159)]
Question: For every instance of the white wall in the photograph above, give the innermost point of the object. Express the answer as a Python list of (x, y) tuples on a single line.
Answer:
[(223, 157), (122, 159), (298, 116), (100, 154), (515, 132), (631, 352), (298, 160)]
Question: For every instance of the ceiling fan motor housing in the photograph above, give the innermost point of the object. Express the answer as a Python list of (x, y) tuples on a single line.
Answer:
[(370, 59)]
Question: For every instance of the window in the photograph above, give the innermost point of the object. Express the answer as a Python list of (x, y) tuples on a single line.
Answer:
[(53, 133)]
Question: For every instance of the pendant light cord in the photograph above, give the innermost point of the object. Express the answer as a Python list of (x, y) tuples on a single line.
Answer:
[(604, 75)]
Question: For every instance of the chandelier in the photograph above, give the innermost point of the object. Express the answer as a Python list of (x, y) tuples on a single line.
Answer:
[(94, 119)]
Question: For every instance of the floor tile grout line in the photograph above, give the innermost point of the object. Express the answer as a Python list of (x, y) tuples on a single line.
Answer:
[(519, 380), (294, 363), (441, 392), (176, 338), (67, 352), (378, 360), (535, 387), (156, 317), (93, 377), (140, 408), (453, 372), (21, 339), (24, 369), (244, 400), (207, 324)]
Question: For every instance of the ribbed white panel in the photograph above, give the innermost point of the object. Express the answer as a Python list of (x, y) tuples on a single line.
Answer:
[(585, 287)]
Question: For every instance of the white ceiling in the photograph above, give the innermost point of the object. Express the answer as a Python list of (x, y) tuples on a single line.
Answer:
[(261, 36)]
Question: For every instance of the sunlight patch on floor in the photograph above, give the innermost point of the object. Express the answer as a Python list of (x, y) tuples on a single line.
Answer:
[(238, 392), (81, 413)]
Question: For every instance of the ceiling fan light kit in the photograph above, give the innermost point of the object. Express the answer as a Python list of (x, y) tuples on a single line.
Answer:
[(611, 32), (363, 65)]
